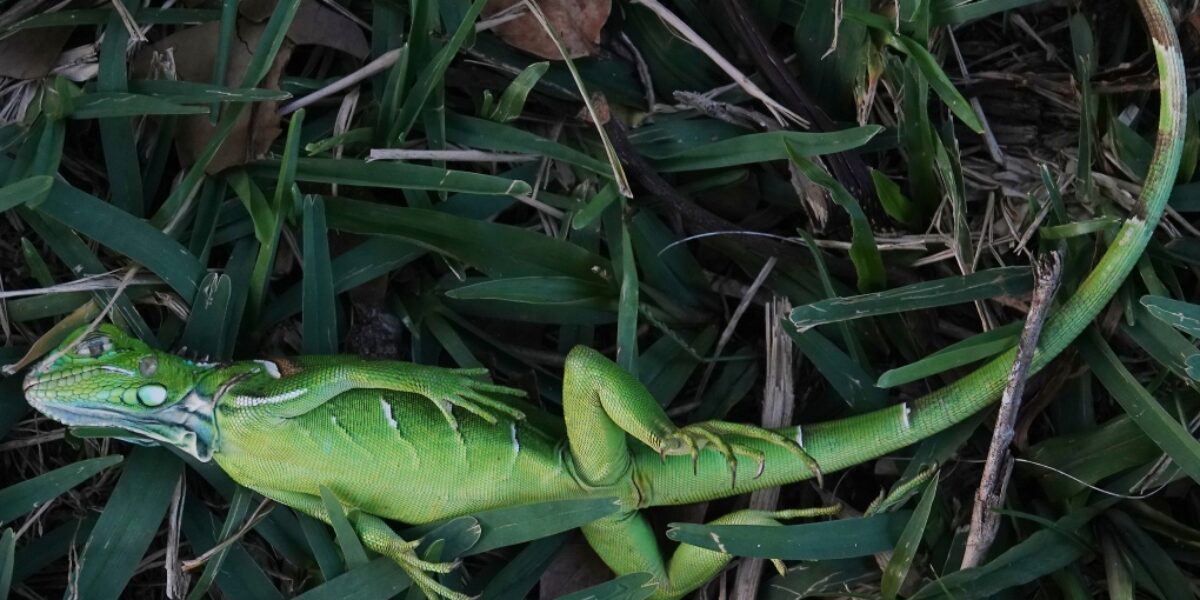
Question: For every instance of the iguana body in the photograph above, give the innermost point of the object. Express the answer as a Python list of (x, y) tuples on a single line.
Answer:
[(382, 437)]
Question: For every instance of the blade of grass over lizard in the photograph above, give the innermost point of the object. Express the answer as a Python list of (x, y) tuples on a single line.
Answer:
[(844, 538)]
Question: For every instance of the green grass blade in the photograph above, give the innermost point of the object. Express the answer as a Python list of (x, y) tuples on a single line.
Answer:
[(51, 546), (844, 538), (539, 290), (347, 539), (634, 586), (761, 147), (497, 250), (324, 549), (906, 548), (972, 349), (487, 135), (431, 76), (240, 577), (128, 524), (1164, 572), (864, 253), (233, 519), (207, 325), (926, 294), (519, 575), (1183, 316), (849, 379), (379, 579), (1040, 554), (20, 498), (512, 101), (388, 174), (1170, 435), (32, 190), (125, 234), (517, 524), (114, 105), (192, 92), (320, 316)]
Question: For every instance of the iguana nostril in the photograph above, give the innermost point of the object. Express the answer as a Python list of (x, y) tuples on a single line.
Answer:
[(152, 395)]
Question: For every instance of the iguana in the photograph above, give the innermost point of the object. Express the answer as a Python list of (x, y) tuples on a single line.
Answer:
[(417, 444)]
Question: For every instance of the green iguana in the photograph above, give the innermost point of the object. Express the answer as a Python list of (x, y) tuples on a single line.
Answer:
[(418, 444)]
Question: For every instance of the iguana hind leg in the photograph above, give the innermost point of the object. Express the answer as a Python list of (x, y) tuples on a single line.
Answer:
[(627, 544), (602, 403), (602, 406)]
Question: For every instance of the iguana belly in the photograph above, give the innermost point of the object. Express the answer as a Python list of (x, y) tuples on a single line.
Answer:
[(396, 456)]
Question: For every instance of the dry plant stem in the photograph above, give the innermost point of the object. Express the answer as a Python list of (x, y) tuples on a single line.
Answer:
[(745, 303), (264, 508), (996, 471), (448, 155), (737, 76), (127, 20), (778, 409), (385, 60), (177, 581)]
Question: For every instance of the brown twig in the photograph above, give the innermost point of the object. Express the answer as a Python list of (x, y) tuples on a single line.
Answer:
[(778, 407), (994, 482)]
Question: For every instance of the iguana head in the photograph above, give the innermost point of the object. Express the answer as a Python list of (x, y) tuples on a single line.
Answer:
[(105, 378)]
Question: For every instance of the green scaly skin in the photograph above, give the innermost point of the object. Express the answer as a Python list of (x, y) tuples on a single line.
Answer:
[(418, 444)]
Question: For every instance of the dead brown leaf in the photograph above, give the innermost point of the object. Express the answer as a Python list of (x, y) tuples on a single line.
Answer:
[(30, 54), (195, 51), (577, 23)]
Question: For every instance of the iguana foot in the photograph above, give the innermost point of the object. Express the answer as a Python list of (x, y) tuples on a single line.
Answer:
[(690, 439), (418, 570), (449, 388)]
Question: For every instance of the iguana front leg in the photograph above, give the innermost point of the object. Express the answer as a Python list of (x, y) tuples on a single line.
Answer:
[(378, 537), (292, 387)]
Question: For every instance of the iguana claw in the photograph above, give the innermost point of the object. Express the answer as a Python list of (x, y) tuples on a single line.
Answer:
[(691, 439)]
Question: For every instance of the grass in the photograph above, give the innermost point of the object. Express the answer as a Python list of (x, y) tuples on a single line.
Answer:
[(948, 143)]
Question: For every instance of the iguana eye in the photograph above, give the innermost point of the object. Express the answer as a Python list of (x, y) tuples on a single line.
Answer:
[(94, 346), (148, 366), (152, 395)]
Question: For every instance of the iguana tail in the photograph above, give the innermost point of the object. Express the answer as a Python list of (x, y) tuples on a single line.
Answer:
[(843, 443)]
